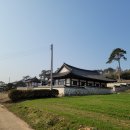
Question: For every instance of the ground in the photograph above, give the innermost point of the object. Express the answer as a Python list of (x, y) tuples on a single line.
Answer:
[(9, 121), (102, 112), (98, 112)]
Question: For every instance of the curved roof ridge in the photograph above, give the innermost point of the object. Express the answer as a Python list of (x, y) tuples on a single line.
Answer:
[(80, 68)]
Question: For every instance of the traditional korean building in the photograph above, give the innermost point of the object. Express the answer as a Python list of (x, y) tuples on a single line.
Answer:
[(72, 76), (32, 82), (70, 80)]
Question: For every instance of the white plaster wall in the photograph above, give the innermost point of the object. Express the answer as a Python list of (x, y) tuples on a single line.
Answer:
[(64, 69), (24, 88), (61, 91), (120, 89), (111, 85)]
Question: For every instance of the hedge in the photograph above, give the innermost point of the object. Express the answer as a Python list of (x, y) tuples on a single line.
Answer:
[(17, 95)]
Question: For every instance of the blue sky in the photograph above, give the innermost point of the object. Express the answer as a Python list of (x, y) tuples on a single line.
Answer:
[(84, 33)]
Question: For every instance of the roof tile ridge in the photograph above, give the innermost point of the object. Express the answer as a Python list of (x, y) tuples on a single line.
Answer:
[(68, 67), (79, 68)]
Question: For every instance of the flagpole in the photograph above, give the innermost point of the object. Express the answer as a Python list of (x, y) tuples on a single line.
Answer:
[(51, 85)]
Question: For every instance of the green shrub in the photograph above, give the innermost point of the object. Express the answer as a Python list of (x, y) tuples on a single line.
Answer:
[(17, 95)]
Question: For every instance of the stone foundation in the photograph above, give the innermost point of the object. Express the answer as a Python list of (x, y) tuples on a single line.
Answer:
[(86, 91)]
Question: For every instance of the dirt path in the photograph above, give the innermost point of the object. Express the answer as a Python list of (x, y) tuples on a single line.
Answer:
[(9, 121)]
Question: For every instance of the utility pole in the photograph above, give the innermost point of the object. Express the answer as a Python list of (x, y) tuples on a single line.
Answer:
[(9, 79), (51, 85)]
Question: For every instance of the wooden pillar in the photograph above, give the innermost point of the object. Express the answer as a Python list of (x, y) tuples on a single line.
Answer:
[(65, 82), (70, 82), (58, 82), (86, 83), (100, 84), (93, 83), (79, 82)]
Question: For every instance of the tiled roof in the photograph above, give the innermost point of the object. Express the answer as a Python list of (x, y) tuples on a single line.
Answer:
[(91, 74), (76, 70), (33, 80)]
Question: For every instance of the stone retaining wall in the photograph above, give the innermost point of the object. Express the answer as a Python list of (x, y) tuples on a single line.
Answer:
[(86, 91)]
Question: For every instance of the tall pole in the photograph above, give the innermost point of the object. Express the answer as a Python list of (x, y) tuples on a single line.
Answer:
[(9, 79), (51, 85)]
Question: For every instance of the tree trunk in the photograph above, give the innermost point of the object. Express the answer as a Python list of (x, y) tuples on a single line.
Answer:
[(119, 71)]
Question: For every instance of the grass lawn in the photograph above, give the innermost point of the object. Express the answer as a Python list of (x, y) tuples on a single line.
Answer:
[(103, 112)]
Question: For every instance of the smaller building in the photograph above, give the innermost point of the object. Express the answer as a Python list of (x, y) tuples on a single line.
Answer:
[(119, 83), (120, 86), (32, 82)]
